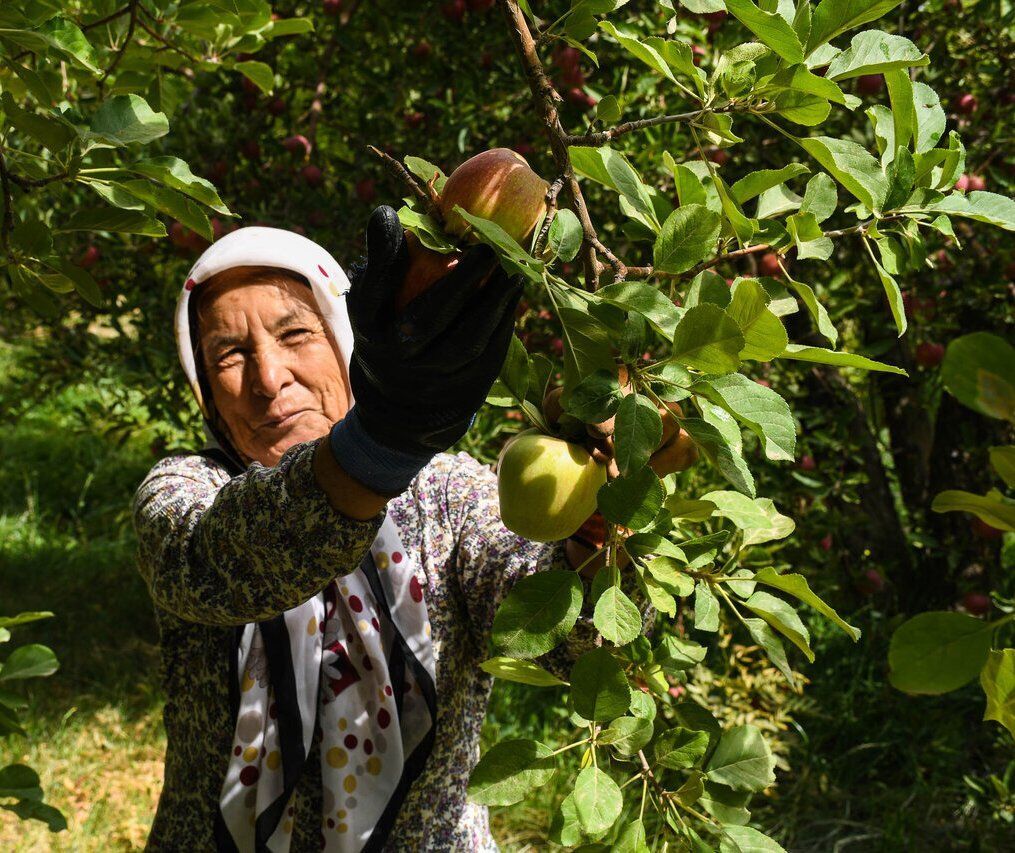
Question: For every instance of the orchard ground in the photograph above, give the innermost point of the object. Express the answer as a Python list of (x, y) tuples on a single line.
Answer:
[(870, 767)]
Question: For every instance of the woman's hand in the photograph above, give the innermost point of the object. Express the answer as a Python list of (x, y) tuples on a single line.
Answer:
[(419, 379)]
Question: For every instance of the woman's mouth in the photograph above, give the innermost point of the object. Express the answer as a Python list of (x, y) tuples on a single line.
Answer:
[(282, 423)]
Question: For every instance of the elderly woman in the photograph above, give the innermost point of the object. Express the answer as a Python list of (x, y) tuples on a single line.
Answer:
[(324, 576)]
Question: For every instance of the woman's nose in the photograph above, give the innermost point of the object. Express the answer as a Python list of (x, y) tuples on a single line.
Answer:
[(270, 372)]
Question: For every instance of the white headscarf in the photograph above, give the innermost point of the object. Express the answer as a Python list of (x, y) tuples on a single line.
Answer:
[(352, 665)]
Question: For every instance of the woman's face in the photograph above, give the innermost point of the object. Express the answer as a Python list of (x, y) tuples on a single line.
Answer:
[(272, 364)]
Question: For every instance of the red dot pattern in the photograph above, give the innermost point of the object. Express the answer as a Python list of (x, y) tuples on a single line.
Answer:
[(415, 590), (383, 718), (249, 775)]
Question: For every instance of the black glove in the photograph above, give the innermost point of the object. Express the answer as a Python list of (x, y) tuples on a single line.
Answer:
[(419, 379)]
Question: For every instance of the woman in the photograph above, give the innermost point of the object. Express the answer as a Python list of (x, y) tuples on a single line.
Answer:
[(324, 577)]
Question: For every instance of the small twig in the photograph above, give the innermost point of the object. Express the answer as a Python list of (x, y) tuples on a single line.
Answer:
[(30, 183), (123, 48), (603, 136), (5, 186), (167, 44), (112, 17), (551, 209), (403, 174)]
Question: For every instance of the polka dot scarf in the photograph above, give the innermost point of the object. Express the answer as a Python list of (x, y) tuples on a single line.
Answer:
[(351, 668)]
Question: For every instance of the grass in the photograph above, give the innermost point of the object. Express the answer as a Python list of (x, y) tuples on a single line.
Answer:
[(869, 769)]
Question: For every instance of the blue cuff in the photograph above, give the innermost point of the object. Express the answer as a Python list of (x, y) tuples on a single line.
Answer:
[(381, 469)]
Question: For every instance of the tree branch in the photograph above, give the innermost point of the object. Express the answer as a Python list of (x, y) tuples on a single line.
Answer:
[(123, 48), (5, 186)]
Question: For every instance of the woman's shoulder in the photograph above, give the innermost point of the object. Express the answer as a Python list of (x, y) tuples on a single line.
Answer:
[(184, 467)]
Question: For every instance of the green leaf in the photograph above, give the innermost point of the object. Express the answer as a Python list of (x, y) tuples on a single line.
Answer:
[(81, 280), (688, 236), (175, 173), (259, 73), (900, 93), (632, 501), (565, 235), (706, 608), (757, 517), (608, 110), (172, 204), (679, 748), (639, 50), (632, 839), (757, 182), (851, 165), (809, 239), (597, 800), (937, 652), (520, 671), (52, 133), (820, 197), (746, 838), (817, 311), (24, 618), (837, 358), (125, 120), (742, 760), (991, 508), (980, 205), (31, 661), (611, 169), (1002, 460), (797, 586), (599, 688), (717, 450), (834, 17), (676, 654), (764, 636), (514, 373), (491, 233), (764, 335), (596, 398), (725, 804), (770, 28), (564, 827), (930, 117), (783, 618), (119, 221), (67, 38), (874, 52), (758, 408), (637, 433), (979, 371), (645, 299), (616, 617), (588, 346), (509, 771), (708, 339), (627, 734), (997, 678), (537, 614)]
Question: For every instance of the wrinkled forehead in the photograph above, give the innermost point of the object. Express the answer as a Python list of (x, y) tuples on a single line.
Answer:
[(275, 295)]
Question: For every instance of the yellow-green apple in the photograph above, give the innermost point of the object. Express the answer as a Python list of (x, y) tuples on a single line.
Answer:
[(547, 486)]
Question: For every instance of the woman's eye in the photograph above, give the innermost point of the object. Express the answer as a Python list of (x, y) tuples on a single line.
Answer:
[(293, 332)]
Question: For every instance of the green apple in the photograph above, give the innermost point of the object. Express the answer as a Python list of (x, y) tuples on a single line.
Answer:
[(547, 486)]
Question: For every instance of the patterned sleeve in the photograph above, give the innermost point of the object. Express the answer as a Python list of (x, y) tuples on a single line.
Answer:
[(227, 551), (490, 559)]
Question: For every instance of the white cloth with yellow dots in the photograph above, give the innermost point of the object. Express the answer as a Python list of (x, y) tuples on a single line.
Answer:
[(352, 666)]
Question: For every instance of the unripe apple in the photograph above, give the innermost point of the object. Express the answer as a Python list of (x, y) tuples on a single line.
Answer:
[(497, 185), (976, 603), (869, 84), (425, 267), (966, 104), (769, 264), (313, 176), (929, 354), (547, 486)]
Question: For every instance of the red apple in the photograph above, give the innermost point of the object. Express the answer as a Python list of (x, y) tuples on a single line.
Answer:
[(422, 49), (219, 171), (480, 5), (717, 156), (217, 228), (298, 144), (976, 603), (250, 149), (425, 267), (982, 530), (966, 104), (89, 257), (826, 542), (366, 190), (332, 7), (962, 183), (454, 11), (276, 106), (486, 60), (313, 176), (764, 383), (414, 119), (497, 185), (807, 463), (870, 582), (929, 354), (869, 84), (524, 148), (249, 86), (317, 218), (768, 264), (698, 54), (976, 182), (580, 98)]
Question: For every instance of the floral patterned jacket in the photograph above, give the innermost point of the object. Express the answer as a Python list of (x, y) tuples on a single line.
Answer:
[(219, 551)]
